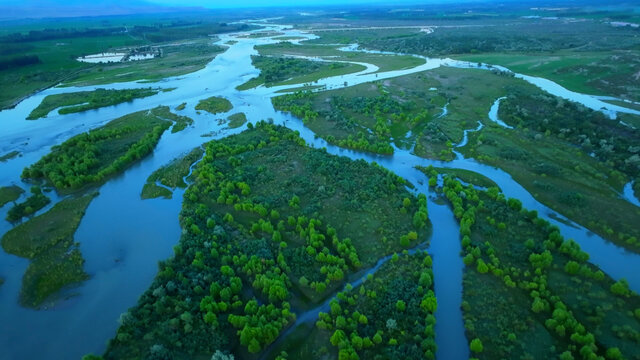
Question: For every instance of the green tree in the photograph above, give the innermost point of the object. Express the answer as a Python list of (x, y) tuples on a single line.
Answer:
[(482, 267), (476, 346), (621, 288)]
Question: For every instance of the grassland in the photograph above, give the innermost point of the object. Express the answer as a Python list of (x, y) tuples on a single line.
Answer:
[(47, 240), (90, 158), (215, 105), (9, 194), (276, 71), (86, 100), (264, 237), (598, 73), (237, 120), (383, 62), (171, 176), (524, 281)]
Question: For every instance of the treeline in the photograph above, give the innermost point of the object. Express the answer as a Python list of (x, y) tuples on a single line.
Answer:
[(51, 34), (181, 32), (19, 62), (178, 30)]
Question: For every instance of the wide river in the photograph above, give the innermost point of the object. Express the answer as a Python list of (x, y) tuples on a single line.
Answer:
[(123, 237)]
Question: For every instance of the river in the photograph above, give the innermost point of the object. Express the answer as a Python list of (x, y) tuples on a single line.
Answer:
[(123, 237)]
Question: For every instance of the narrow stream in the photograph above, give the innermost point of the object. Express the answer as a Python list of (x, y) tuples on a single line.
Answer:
[(123, 237), (493, 113)]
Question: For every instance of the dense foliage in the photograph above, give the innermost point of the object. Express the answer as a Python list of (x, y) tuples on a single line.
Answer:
[(299, 104), (515, 258), (389, 316), (264, 233), (91, 157)]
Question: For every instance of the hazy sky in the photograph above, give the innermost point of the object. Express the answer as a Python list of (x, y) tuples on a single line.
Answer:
[(260, 3)]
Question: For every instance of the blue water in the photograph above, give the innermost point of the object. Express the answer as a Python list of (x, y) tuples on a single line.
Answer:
[(123, 237)]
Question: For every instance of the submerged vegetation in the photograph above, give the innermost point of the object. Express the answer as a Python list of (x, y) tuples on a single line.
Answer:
[(86, 100), (264, 237), (9, 156), (47, 240)]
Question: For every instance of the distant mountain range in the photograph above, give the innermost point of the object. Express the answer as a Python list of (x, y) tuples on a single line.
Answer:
[(21, 9)]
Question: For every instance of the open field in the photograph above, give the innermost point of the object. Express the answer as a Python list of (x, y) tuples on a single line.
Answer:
[(179, 58)]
